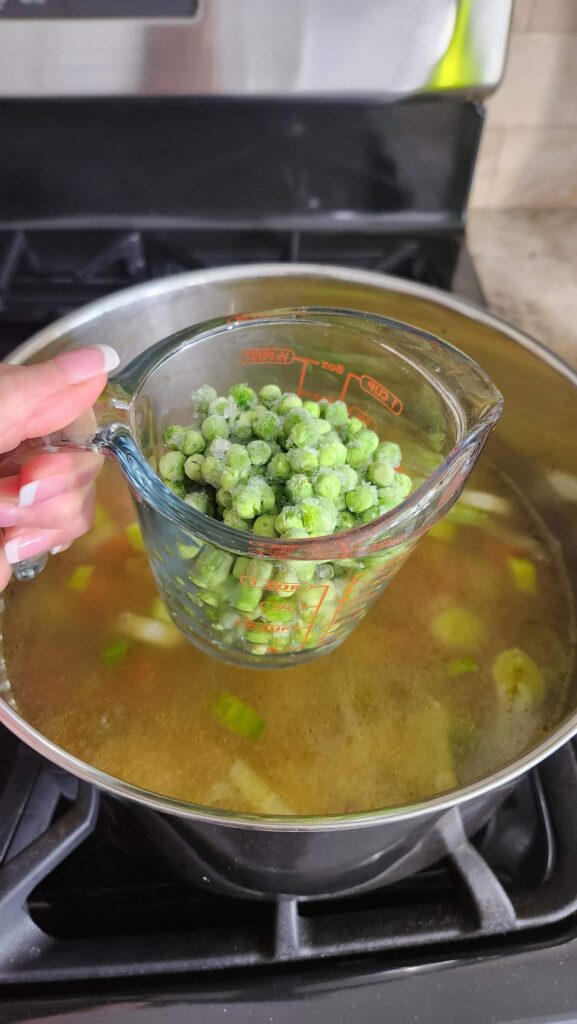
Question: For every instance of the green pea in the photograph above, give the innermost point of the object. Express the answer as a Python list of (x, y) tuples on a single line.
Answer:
[(242, 427), (269, 394), (299, 486), (381, 473), (266, 425), (361, 498), (279, 467), (303, 460), (263, 526), (336, 413), (214, 426), (289, 518), (287, 402), (193, 468), (327, 484), (243, 395), (259, 452), (173, 436), (332, 453), (313, 409), (202, 397), (171, 466), (388, 452), (211, 470)]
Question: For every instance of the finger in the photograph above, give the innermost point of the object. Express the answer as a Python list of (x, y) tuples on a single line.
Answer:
[(47, 476), (28, 543), (54, 514), (36, 400), (5, 570)]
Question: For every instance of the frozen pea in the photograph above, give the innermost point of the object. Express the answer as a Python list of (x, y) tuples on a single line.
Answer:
[(313, 409), (266, 492), (345, 520), (200, 500), (279, 467), (263, 526), (340, 501), (192, 442), (354, 426), (176, 487), (327, 484), (371, 514), (281, 609), (242, 427), (171, 466), (323, 428), (229, 478), (231, 518), (241, 567), (336, 413), (211, 568), (319, 516), (242, 394), (280, 640), (302, 435), (211, 470), (295, 533), (238, 458), (247, 500), (381, 473), (366, 440), (291, 419), (357, 458), (222, 407), (193, 468), (303, 460), (288, 401), (362, 497), (202, 397), (259, 452), (219, 447), (259, 570), (332, 453), (245, 597), (298, 487), (224, 498), (402, 484), (348, 477), (214, 426), (266, 425), (289, 518), (173, 436), (388, 452), (269, 394), (387, 499)]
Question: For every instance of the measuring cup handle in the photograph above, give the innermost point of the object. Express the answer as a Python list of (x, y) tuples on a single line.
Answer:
[(29, 568)]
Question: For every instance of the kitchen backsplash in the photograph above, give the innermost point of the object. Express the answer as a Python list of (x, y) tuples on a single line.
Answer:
[(528, 154)]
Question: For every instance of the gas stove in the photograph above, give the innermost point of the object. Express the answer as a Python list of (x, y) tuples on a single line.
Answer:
[(101, 193)]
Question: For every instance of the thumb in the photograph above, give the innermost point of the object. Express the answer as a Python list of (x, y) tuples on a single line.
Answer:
[(36, 400)]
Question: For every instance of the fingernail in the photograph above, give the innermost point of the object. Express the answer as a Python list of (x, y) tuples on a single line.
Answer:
[(19, 548), (41, 490), (8, 514), (59, 548), (84, 363)]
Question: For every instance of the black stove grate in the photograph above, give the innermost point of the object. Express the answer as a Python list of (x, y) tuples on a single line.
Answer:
[(75, 907), (46, 274)]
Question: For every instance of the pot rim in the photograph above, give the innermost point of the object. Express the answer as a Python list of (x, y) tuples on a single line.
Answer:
[(117, 787)]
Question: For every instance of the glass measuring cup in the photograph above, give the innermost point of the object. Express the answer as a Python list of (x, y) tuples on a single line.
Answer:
[(407, 385)]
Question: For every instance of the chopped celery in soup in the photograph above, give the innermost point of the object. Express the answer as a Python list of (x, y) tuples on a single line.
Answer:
[(462, 663)]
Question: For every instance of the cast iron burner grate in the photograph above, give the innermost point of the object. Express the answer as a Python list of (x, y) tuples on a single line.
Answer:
[(47, 274), (76, 907)]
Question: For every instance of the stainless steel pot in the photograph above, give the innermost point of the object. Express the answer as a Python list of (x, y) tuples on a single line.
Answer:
[(535, 445)]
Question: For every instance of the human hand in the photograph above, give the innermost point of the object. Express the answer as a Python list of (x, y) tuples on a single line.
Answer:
[(46, 500)]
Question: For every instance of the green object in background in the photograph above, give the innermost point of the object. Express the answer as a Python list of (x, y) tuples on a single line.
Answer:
[(458, 68)]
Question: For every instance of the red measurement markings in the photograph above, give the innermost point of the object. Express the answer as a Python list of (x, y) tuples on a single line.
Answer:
[(381, 394), (342, 604), (285, 588), (285, 356), (266, 627)]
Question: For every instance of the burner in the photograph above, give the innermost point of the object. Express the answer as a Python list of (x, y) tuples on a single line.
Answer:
[(77, 903)]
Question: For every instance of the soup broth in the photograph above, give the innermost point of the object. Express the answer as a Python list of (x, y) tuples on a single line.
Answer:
[(420, 699)]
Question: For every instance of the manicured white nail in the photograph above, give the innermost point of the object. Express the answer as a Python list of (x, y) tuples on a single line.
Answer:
[(59, 548), (27, 494), (83, 363)]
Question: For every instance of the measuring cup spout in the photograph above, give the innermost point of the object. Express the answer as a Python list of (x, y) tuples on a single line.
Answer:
[(97, 429)]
